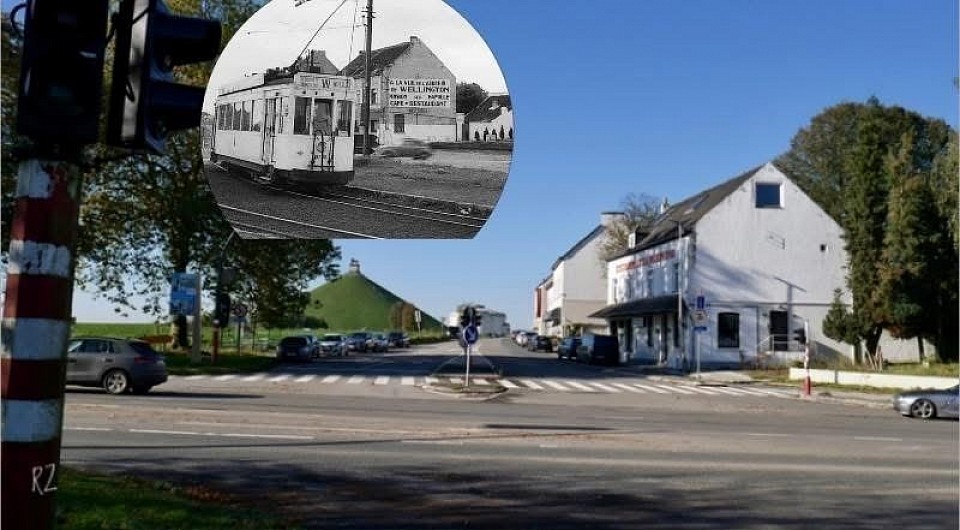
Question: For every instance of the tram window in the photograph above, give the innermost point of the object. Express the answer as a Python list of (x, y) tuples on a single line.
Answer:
[(322, 117), (344, 116), (257, 115), (398, 123), (301, 108), (236, 116), (246, 112)]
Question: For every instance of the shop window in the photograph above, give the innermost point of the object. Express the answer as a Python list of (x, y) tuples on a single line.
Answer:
[(344, 116), (398, 123), (768, 195), (301, 111), (728, 330)]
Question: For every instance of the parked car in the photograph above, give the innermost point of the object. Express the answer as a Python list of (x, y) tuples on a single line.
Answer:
[(410, 147), (380, 343), (928, 403), (397, 339), (296, 348), (360, 341), (540, 342), (358, 143), (117, 365), (334, 344), (603, 349), (524, 338), (568, 348)]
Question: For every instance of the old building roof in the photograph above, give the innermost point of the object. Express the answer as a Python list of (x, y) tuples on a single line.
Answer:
[(490, 108), (687, 212), (379, 59)]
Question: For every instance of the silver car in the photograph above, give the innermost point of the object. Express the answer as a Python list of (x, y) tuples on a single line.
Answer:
[(929, 403), (333, 344), (117, 365)]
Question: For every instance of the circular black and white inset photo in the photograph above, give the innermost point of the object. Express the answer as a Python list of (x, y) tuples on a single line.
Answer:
[(321, 124)]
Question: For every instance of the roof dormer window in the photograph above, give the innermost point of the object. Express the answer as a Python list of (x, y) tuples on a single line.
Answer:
[(769, 195)]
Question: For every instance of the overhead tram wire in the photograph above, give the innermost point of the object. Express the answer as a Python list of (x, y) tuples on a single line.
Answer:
[(307, 45)]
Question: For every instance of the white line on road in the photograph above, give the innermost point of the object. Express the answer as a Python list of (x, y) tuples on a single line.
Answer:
[(305, 379), (702, 390), (877, 439), (580, 386), (194, 377), (746, 391), (481, 382), (770, 434), (651, 388), (381, 380), (226, 377), (556, 385), (254, 377), (270, 436), (158, 431), (407, 381), (355, 379), (330, 379), (282, 377), (87, 429), (725, 390), (433, 442), (508, 383), (456, 380), (628, 387), (531, 384), (606, 388), (676, 389)]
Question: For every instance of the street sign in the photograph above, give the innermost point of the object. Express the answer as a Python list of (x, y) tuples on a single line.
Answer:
[(183, 293), (470, 334), (700, 319), (416, 316), (701, 302)]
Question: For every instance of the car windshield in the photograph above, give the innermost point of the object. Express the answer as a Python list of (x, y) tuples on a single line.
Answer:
[(331, 338)]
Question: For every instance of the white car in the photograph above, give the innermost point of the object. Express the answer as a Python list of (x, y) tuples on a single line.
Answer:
[(333, 344)]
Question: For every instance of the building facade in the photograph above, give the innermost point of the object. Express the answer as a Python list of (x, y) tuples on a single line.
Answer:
[(761, 255), (575, 288), (491, 121), (412, 94)]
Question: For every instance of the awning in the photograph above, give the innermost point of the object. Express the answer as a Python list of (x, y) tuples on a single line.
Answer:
[(636, 308)]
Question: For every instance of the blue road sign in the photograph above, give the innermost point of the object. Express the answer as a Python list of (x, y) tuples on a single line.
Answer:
[(701, 302), (183, 293), (470, 334)]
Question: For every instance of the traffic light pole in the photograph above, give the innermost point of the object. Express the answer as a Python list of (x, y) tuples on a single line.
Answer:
[(36, 328), (217, 325)]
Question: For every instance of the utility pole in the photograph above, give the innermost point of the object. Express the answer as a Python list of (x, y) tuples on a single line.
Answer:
[(365, 109)]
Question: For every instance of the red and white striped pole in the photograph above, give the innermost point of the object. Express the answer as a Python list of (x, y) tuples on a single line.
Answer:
[(36, 328)]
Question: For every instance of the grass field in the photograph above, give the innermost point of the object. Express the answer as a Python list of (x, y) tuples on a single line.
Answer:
[(90, 501)]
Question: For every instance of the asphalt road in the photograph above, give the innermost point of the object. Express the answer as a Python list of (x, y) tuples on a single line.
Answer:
[(369, 455)]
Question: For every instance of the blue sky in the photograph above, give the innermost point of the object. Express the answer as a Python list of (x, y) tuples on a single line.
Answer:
[(664, 98)]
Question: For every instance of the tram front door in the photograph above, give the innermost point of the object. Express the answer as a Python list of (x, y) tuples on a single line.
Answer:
[(269, 131)]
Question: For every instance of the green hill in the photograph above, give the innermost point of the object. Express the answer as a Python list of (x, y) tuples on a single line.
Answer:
[(355, 302)]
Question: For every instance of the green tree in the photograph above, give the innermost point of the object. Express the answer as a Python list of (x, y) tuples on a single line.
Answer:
[(839, 324), (469, 95)]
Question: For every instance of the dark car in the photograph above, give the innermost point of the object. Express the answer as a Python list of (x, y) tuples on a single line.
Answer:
[(599, 349), (358, 143), (397, 339), (117, 365), (540, 343), (297, 348), (360, 341), (568, 348), (929, 403), (410, 147)]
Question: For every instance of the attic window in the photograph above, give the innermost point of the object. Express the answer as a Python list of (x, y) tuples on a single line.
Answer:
[(768, 195)]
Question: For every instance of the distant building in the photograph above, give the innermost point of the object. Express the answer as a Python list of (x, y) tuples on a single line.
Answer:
[(412, 94), (491, 120), (492, 323), (316, 61)]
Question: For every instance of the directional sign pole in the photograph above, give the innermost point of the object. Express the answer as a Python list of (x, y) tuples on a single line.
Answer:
[(467, 377)]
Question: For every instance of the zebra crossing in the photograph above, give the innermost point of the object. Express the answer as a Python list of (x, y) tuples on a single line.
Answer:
[(608, 386)]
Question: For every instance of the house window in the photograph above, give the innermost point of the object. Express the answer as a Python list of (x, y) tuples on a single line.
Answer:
[(728, 330), (344, 116), (373, 96), (301, 113), (398, 123), (768, 195)]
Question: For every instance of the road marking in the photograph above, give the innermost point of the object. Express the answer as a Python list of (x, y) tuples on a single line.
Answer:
[(481, 382), (330, 379), (432, 442), (455, 380), (676, 389), (606, 388), (356, 379), (580, 386), (725, 390), (270, 436), (224, 377), (507, 383), (305, 378), (628, 387), (702, 390), (104, 429), (877, 439), (651, 388), (407, 381), (158, 431), (776, 393), (744, 391), (531, 384), (282, 377), (254, 377), (382, 380), (775, 435), (556, 385), (431, 380), (194, 377)]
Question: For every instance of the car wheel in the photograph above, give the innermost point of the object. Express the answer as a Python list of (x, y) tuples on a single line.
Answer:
[(116, 382), (923, 408)]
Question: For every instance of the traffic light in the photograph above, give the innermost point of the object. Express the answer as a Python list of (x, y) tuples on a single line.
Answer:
[(465, 317), (221, 312), (477, 319), (145, 102), (61, 71)]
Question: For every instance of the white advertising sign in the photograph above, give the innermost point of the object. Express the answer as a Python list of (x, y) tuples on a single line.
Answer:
[(420, 93)]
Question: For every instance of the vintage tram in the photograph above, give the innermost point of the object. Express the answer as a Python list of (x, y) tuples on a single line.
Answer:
[(287, 127)]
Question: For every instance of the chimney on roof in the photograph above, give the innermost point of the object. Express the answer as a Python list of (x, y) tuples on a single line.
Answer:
[(414, 39), (665, 205), (354, 266), (608, 218)]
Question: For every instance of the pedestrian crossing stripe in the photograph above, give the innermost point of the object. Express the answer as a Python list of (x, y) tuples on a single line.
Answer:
[(566, 385)]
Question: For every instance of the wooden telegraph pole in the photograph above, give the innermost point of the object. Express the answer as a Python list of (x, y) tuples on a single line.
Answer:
[(365, 109)]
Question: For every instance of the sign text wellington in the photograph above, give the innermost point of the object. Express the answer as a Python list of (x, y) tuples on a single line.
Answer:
[(420, 93)]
